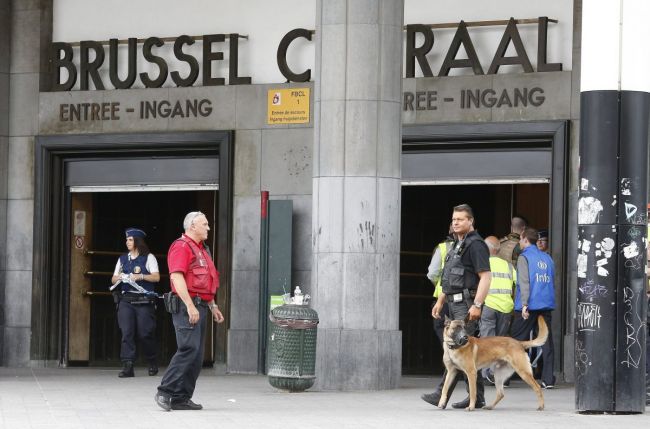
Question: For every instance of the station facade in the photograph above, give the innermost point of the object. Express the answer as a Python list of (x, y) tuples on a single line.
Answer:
[(374, 118)]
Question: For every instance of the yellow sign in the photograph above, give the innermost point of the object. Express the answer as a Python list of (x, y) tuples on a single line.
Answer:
[(288, 106)]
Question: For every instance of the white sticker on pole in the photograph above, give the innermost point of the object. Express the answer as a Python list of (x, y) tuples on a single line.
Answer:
[(79, 226)]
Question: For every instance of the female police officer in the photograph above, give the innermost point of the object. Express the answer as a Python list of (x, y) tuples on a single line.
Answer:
[(134, 276)]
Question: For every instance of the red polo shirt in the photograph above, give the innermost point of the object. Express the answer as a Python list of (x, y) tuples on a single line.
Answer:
[(180, 258)]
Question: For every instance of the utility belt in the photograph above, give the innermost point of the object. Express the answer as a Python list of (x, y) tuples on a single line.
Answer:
[(139, 299), (173, 302), (465, 295)]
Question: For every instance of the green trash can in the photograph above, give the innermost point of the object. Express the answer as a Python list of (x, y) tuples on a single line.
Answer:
[(292, 347)]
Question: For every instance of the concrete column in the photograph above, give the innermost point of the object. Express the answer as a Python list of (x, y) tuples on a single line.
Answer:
[(356, 193), (5, 34), (29, 32)]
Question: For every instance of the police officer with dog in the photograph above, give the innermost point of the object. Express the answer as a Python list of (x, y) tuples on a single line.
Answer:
[(134, 277), (466, 281)]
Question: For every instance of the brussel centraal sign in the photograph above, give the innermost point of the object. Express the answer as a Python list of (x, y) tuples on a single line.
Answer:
[(92, 57)]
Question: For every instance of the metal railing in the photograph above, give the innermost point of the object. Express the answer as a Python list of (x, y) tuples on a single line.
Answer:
[(115, 253)]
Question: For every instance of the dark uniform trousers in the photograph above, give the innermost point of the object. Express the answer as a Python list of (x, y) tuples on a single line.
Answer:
[(137, 320), (179, 380), (458, 311)]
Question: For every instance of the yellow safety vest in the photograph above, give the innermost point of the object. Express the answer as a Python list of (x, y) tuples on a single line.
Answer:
[(499, 297), (444, 248)]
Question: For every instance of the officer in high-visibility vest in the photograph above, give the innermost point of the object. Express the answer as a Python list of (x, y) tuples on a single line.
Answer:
[(434, 274), (497, 311)]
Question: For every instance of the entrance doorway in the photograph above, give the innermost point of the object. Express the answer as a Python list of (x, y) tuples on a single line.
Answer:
[(119, 181), (426, 213), (499, 169), (93, 333)]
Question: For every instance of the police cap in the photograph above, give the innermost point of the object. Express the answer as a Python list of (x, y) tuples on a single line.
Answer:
[(135, 232)]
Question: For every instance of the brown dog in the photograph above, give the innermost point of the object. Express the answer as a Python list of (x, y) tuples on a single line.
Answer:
[(504, 355)]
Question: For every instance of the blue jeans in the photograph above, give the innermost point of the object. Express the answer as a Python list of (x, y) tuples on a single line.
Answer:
[(179, 380)]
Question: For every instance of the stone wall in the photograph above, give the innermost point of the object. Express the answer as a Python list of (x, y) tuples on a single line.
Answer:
[(5, 40), (276, 158), (25, 31)]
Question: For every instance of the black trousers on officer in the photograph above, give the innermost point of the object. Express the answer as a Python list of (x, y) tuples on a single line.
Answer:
[(137, 320), (521, 329), (179, 380), (458, 311)]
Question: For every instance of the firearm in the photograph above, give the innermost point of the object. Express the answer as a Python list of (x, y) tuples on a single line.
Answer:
[(128, 279)]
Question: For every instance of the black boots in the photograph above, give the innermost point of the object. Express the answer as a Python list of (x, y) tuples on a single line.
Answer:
[(153, 369), (480, 403), (186, 405), (480, 394), (433, 398), (163, 401), (127, 369)]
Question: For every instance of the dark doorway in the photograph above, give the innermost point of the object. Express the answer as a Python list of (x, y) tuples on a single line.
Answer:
[(158, 163), (426, 212), (160, 214)]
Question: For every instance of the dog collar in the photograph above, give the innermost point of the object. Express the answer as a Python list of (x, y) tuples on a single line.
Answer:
[(453, 346)]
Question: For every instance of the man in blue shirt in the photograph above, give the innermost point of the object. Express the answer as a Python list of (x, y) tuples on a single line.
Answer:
[(535, 296)]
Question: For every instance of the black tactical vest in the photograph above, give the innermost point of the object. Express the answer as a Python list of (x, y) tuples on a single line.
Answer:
[(455, 277)]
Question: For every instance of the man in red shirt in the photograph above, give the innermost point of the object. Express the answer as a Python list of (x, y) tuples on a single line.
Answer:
[(194, 280)]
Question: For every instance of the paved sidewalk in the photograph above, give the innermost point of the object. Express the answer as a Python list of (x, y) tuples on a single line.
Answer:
[(91, 398)]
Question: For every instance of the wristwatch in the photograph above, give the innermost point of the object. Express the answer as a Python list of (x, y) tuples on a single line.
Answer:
[(478, 304), (213, 306)]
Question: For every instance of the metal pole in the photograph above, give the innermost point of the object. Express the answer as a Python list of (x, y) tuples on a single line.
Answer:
[(612, 219), (264, 283), (632, 220), (597, 251)]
